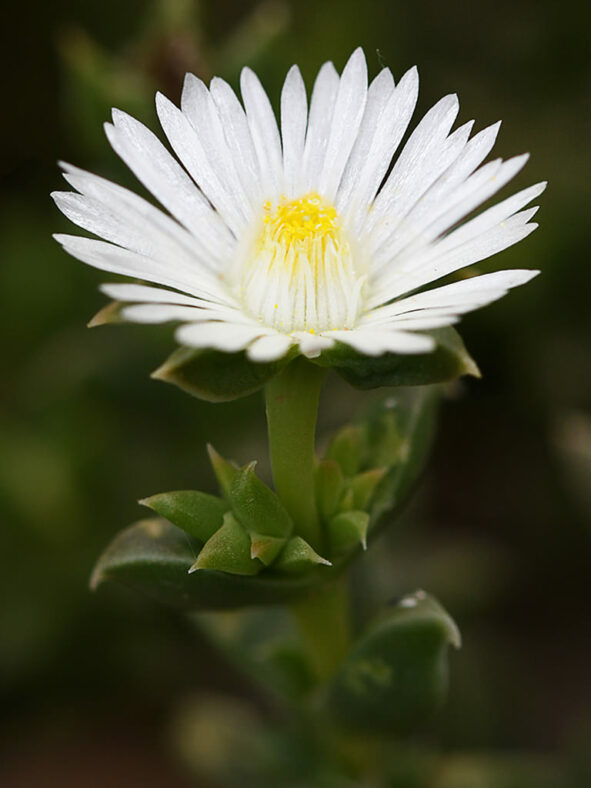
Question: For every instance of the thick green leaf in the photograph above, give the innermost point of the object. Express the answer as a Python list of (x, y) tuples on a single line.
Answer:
[(330, 485), (256, 506), (400, 430), (347, 448), (297, 557), (154, 558), (396, 676), (197, 513), (347, 531), (215, 376), (364, 486), (266, 548), (224, 470), (228, 550), (448, 361)]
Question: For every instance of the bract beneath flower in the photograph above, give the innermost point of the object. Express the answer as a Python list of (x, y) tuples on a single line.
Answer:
[(301, 236)]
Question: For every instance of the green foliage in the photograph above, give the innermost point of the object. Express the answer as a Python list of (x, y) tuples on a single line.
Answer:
[(214, 376), (197, 513), (256, 506), (396, 675), (154, 557), (348, 530), (228, 550), (448, 361)]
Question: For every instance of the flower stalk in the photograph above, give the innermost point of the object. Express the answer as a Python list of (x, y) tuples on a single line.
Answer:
[(292, 406)]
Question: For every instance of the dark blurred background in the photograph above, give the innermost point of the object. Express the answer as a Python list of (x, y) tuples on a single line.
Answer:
[(103, 689)]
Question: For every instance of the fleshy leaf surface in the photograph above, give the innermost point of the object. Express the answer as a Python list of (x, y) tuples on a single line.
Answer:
[(256, 506), (228, 550), (153, 557), (448, 361), (396, 676), (197, 513), (215, 376)]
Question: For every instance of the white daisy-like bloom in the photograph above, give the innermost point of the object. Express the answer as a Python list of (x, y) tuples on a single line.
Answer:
[(303, 233)]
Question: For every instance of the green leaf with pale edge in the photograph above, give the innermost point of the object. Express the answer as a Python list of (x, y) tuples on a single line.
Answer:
[(330, 485), (197, 513), (348, 530), (153, 557), (297, 557), (448, 361), (215, 376), (396, 676), (228, 550), (256, 506)]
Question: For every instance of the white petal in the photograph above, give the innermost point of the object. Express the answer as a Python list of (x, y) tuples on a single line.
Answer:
[(312, 345), (269, 348), (346, 119), (145, 155), (452, 297), (120, 216), (371, 158), (160, 313), (264, 132), (294, 113), (448, 191), (322, 105), (228, 337), (145, 294), (106, 257), (375, 342), (472, 251), (198, 105), (238, 139), (186, 143), (412, 172)]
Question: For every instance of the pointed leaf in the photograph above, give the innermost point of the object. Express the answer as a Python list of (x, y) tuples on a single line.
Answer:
[(256, 506), (215, 376), (298, 557), (396, 676), (448, 361), (197, 513), (330, 485), (364, 486), (347, 448), (348, 530), (228, 550), (224, 470)]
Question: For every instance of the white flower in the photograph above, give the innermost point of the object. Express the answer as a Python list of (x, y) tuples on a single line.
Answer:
[(301, 235)]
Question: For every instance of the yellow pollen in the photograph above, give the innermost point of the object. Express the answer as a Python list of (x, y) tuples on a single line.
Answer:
[(308, 218)]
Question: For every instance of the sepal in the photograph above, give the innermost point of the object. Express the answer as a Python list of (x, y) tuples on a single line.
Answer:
[(396, 676), (225, 471), (448, 361), (215, 376)]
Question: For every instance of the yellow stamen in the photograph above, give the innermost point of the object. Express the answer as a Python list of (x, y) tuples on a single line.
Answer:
[(307, 218)]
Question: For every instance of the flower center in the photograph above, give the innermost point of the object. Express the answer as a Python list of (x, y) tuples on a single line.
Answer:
[(299, 273)]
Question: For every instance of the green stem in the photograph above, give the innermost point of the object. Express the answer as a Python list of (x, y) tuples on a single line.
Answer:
[(323, 621), (292, 405)]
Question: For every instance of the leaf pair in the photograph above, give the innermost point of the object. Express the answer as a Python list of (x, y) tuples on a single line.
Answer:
[(220, 377)]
